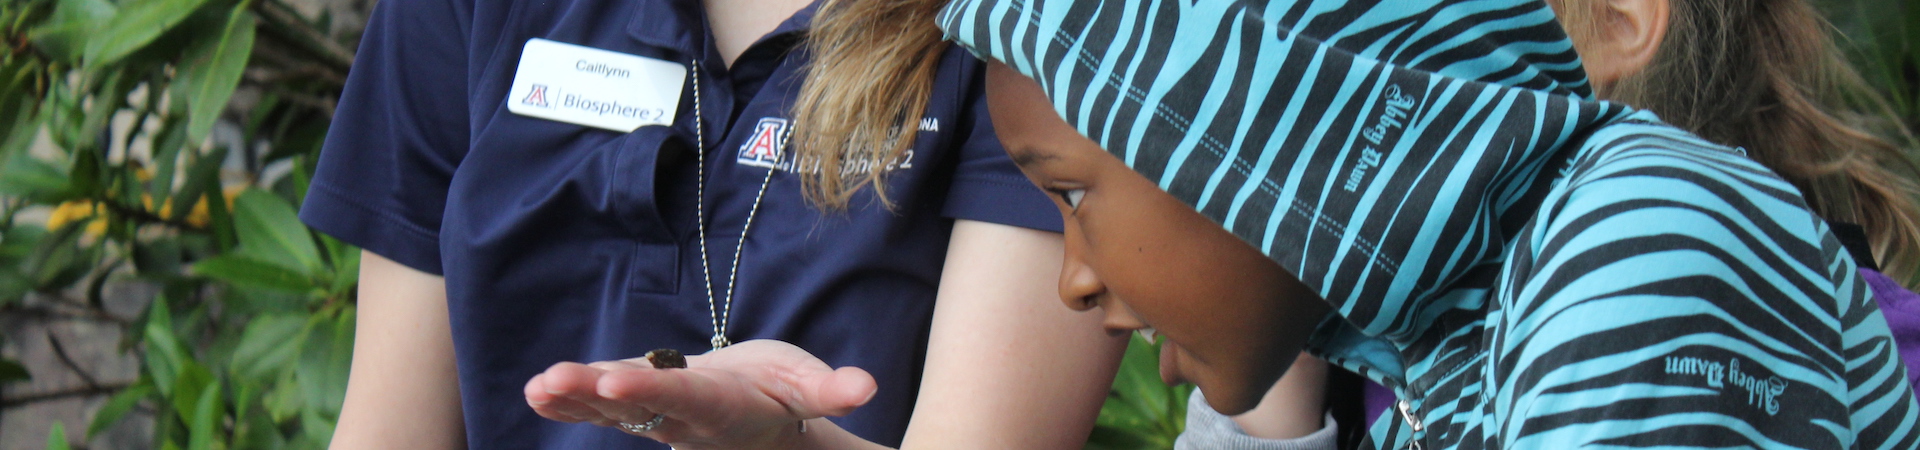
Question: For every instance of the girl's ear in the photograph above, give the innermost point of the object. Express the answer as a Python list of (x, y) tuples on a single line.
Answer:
[(1621, 37)]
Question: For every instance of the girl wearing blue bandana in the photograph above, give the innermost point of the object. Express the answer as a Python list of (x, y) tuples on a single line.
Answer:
[(1420, 192)]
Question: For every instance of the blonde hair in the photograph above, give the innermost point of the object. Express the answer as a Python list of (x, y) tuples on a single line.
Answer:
[(871, 78), (1766, 76)]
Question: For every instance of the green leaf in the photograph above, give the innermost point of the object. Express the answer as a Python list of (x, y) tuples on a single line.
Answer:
[(57, 437), (212, 69), (64, 34), (11, 371), (17, 243), (33, 178), (13, 285), (24, 131), (246, 270), (269, 347), (220, 219), (193, 382), (117, 407), (1115, 438), (85, 175), (249, 299), (245, 394), (205, 433), (1139, 379), (1140, 412), (57, 260), (317, 427), (346, 268), (256, 431), (270, 230), (324, 362), (167, 142), (134, 26), (166, 357), (158, 258), (18, 125), (284, 400), (65, 113)]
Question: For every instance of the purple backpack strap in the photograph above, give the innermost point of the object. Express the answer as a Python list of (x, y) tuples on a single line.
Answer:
[(1902, 308), (1899, 305)]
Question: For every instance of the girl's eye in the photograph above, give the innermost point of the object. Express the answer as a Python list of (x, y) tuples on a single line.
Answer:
[(1072, 197)]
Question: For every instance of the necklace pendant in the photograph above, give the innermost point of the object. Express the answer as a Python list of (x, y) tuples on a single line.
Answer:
[(719, 341)]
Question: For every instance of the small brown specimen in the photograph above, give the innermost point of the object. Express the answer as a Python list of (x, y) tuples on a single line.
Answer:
[(666, 358)]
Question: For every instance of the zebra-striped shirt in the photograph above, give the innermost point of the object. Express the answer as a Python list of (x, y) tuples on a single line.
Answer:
[(1527, 268)]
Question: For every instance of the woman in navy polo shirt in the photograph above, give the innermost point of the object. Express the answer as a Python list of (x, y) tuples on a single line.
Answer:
[(586, 180)]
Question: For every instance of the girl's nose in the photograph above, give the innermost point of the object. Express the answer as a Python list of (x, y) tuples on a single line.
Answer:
[(1080, 287)]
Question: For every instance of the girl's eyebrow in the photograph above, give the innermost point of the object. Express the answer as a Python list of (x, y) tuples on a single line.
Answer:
[(1028, 158)]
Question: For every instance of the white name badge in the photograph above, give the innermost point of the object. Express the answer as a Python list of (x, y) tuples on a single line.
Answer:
[(594, 87)]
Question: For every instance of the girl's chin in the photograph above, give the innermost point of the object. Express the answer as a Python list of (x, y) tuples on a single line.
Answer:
[(1170, 364), (1229, 400)]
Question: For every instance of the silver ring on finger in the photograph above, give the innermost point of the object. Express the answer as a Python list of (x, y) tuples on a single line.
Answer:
[(643, 427)]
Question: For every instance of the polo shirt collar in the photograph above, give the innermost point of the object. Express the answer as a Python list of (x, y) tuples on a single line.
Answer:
[(672, 24)]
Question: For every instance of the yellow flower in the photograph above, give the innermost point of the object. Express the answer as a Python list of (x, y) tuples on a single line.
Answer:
[(78, 210), (198, 217)]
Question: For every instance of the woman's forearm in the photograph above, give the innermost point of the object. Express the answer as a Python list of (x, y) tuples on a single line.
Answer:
[(403, 391), (1007, 365)]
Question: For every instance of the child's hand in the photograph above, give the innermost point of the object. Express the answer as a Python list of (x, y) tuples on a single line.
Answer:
[(747, 396)]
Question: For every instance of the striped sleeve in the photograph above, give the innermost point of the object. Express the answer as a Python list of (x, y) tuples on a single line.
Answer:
[(1680, 294)]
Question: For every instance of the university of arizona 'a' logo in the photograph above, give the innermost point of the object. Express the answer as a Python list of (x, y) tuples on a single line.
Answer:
[(536, 96), (764, 148)]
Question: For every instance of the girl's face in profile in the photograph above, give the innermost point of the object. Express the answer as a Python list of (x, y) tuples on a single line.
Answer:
[(1233, 318)]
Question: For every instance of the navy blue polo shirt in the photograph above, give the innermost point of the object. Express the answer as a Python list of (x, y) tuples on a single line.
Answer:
[(561, 242)]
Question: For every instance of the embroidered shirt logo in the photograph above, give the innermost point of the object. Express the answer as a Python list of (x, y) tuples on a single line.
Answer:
[(1396, 107), (1713, 371), (537, 96), (1762, 392), (768, 143), (767, 148)]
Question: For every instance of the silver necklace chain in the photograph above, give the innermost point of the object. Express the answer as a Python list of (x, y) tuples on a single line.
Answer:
[(719, 312)]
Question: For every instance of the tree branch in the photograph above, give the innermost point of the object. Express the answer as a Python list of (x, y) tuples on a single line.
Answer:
[(284, 23), (61, 351), (61, 394), (64, 313)]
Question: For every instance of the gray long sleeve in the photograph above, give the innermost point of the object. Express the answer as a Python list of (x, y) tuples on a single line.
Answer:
[(1210, 430)]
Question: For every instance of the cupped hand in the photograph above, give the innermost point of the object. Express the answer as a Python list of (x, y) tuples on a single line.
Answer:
[(750, 395)]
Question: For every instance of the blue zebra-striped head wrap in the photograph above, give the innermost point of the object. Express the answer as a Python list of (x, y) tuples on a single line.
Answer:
[(1370, 147), (1525, 267)]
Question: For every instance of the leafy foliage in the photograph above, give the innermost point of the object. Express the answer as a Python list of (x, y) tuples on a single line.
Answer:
[(1882, 38), (1140, 412), (247, 343), (247, 347)]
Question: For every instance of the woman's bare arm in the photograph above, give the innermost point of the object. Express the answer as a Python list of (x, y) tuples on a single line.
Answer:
[(403, 392), (1007, 365)]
